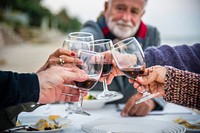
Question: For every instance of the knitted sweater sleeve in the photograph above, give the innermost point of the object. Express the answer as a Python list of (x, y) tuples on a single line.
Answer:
[(182, 87), (183, 57)]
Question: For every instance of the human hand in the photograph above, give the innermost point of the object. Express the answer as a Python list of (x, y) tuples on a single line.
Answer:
[(114, 72), (125, 59), (154, 81), (61, 57), (141, 109), (52, 82)]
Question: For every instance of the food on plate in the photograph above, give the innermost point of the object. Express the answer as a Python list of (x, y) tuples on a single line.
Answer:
[(185, 123), (89, 97), (44, 124), (18, 123), (53, 117), (48, 123)]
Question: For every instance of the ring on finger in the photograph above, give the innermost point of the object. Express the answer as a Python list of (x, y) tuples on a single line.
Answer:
[(61, 61)]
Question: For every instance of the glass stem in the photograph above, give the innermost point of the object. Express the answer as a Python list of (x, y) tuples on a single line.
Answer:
[(105, 87), (80, 102)]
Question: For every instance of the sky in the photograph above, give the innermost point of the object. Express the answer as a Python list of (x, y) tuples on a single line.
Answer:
[(177, 20)]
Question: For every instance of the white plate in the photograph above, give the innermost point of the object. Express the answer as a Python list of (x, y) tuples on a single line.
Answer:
[(97, 104), (132, 125), (31, 120), (191, 118)]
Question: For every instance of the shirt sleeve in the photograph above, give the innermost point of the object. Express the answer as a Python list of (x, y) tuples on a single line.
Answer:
[(182, 87), (18, 88)]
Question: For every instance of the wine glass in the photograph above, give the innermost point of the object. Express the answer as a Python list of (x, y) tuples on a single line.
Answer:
[(92, 65), (81, 36), (102, 46), (129, 58), (75, 45), (76, 41)]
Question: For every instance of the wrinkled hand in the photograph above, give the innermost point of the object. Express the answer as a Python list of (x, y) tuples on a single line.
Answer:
[(66, 56), (153, 82), (142, 109), (52, 82)]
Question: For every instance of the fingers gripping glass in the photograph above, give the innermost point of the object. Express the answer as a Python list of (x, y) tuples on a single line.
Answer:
[(74, 42), (102, 46), (129, 58), (92, 65)]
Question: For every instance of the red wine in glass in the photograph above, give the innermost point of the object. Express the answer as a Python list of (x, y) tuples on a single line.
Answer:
[(130, 59), (133, 72), (106, 70), (86, 85)]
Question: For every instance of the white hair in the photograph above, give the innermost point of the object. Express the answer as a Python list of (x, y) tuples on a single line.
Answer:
[(110, 2)]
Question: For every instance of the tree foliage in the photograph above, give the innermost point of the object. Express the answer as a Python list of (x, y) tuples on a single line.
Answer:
[(66, 23), (36, 12)]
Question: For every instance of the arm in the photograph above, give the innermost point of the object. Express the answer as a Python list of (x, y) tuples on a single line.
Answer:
[(182, 87), (48, 86), (176, 86), (18, 88), (182, 57)]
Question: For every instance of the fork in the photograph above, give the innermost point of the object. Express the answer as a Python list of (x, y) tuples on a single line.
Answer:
[(27, 127)]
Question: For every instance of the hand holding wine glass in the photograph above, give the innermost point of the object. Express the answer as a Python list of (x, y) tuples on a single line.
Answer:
[(103, 46), (76, 41), (92, 64), (129, 58)]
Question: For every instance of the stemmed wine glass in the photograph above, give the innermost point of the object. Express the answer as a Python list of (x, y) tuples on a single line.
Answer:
[(129, 58), (102, 46), (74, 45), (76, 41), (92, 65), (81, 36)]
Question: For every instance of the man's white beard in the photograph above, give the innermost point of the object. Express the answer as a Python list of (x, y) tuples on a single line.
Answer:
[(122, 29)]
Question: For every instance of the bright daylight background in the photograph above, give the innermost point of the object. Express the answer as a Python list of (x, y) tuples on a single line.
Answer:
[(177, 20)]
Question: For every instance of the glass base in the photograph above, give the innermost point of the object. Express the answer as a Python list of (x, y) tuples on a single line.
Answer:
[(81, 112), (107, 95), (146, 96)]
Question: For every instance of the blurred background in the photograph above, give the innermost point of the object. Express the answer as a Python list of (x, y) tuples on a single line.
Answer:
[(32, 29)]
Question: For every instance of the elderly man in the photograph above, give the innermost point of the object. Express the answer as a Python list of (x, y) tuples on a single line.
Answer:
[(122, 19)]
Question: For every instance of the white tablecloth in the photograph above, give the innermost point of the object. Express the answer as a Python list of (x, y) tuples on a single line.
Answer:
[(109, 111)]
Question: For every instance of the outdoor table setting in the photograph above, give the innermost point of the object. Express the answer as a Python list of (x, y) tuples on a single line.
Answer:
[(101, 114), (107, 119)]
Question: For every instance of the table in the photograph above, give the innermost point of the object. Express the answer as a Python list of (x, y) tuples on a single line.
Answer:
[(108, 111)]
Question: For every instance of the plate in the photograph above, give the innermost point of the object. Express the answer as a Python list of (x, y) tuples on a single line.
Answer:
[(132, 125), (31, 120), (97, 104), (192, 119)]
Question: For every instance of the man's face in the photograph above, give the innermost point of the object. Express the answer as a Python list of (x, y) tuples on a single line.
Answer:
[(123, 17)]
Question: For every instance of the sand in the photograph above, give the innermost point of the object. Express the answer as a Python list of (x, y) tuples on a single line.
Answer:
[(26, 57)]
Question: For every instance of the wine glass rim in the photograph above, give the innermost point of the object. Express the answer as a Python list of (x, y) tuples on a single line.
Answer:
[(73, 34), (88, 52), (76, 41), (101, 41), (130, 38)]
